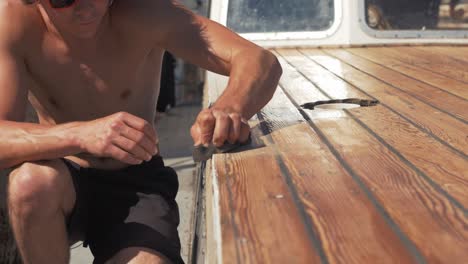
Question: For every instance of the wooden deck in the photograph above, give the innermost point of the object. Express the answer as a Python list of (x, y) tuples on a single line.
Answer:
[(382, 184)]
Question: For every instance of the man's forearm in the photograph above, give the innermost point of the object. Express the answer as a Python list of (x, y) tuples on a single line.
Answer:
[(20, 142), (253, 80)]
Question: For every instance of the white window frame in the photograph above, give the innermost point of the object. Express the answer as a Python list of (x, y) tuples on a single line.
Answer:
[(406, 34), (348, 29), (223, 6)]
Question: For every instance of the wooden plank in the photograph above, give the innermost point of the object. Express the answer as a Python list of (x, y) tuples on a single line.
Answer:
[(447, 169), (442, 127), (438, 99), (436, 64), (349, 227), (432, 222), (447, 166), (444, 83), (254, 222), (334, 206), (436, 57), (458, 53)]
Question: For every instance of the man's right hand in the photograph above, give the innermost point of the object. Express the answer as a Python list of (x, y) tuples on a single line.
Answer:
[(121, 136)]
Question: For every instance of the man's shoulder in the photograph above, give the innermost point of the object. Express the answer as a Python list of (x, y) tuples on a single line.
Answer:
[(17, 20)]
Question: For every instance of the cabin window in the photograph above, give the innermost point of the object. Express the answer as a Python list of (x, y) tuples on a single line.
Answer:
[(447, 17), (272, 16)]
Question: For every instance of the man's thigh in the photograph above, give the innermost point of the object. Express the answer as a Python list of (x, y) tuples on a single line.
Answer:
[(138, 255)]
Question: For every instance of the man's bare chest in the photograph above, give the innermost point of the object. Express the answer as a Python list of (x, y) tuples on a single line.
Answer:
[(72, 85)]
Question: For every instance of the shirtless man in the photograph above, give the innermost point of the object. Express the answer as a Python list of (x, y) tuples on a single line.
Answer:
[(91, 170)]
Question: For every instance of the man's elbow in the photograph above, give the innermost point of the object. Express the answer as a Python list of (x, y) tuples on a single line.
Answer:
[(270, 61), (274, 69)]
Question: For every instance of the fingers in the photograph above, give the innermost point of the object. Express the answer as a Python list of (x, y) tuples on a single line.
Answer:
[(217, 127), (202, 131), (140, 125), (222, 129), (123, 156), (235, 131), (245, 133), (139, 131), (141, 140), (132, 147)]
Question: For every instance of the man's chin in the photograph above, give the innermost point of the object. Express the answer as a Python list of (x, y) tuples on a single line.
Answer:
[(86, 31), (86, 35)]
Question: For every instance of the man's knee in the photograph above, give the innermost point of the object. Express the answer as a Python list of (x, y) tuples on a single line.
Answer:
[(37, 187)]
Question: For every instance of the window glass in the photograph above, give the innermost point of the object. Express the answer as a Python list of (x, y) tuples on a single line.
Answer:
[(264, 16), (417, 14)]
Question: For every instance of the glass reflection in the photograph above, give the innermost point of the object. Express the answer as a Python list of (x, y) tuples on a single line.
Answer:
[(417, 14), (264, 16)]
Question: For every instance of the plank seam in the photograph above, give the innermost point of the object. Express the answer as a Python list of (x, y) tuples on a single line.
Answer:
[(418, 65), (420, 173), (411, 165), (440, 53), (409, 76), (401, 90), (452, 148), (309, 225), (414, 251)]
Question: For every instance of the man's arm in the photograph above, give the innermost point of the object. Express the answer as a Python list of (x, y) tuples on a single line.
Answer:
[(20, 142), (254, 72), (121, 136)]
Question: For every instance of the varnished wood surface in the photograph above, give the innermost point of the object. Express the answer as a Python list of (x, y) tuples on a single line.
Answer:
[(427, 77), (437, 64), (440, 99), (383, 184)]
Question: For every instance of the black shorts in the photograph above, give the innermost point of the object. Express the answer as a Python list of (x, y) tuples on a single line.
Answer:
[(131, 207)]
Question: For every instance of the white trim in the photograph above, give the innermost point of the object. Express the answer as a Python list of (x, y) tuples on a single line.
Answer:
[(337, 19), (406, 34), (359, 37), (346, 31)]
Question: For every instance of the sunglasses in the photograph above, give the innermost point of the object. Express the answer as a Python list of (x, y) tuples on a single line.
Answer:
[(59, 4)]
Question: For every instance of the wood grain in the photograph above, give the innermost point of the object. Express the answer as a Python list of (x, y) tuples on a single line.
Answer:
[(447, 169), (457, 53), (439, 99), (349, 227), (354, 186), (443, 127), (437, 64), (445, 83), (256, 226), (427, 217)]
